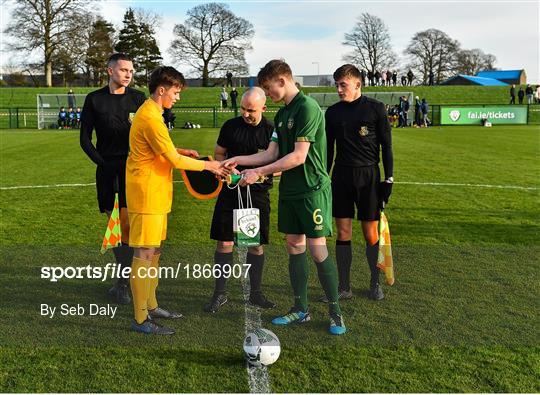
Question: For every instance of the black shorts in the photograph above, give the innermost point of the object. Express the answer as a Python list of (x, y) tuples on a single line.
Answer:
[(105, 177), (356, 186), (227, 201)]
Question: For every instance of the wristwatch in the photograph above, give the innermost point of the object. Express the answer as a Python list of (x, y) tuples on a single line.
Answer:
[(389, 180)]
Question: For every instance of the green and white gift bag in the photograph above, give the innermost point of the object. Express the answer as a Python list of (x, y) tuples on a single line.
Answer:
[(246, 222)]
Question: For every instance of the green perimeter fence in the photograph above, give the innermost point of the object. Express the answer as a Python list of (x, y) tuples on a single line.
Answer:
[(209, 117)]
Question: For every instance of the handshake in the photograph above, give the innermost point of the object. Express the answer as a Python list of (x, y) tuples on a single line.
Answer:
[(227, 168)]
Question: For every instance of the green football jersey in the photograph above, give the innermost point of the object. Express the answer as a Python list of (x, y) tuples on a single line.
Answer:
[(302, 120)]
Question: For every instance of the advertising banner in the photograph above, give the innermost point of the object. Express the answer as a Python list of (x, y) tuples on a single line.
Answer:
[(473, 115)]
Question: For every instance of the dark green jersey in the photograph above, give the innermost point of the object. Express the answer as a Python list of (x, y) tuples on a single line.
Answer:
[(302, 120)]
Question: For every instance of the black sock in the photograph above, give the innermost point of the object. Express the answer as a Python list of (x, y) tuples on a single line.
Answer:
[(222, 259), (255, 271), (124, 257), (344, 261), (372, 253)]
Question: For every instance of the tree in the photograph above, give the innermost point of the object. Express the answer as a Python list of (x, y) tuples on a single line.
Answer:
[(471, 61), (213, 41), (370, 41), (100, 47), (433, 52), (44, 25), (137, 40)]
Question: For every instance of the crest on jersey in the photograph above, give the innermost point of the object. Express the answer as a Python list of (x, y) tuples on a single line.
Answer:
[(363, 131), (290, 123)]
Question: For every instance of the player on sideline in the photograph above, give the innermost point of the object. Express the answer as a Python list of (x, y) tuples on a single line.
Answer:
[(243, 135), (109, 111), (298, 149), (359, 127), (149, 189)]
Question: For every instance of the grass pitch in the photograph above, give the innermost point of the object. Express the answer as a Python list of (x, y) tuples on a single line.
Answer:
[(462, 316)]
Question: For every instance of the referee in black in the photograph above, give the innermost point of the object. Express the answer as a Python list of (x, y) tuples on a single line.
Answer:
[(247, 134), (109, 112), (359, 128)]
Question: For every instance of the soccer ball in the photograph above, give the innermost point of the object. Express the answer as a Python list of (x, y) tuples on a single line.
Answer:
[(261, 347), (198, 126)]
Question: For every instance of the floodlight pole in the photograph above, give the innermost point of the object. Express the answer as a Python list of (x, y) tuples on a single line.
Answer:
[(318, 74)]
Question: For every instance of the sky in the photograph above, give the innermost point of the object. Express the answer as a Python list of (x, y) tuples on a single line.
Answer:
[(309, 34)]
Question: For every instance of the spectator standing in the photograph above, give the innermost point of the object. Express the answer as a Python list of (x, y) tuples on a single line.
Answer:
[(223, 96), (513, 94), (383, 78), (431, 78), (537, 94), (234, 96), (521, 95), (404, 80), (394, 78), (72, 101), (425, 111), (410, 77), (363, 77), (229, 78), (370, 77), (377, 77), (417, 112), (529, 93)]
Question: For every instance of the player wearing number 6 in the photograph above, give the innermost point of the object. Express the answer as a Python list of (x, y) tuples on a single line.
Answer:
[(149, 189), (298, 149)]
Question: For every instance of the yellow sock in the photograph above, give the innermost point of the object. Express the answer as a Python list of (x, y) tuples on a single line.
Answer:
[(139, 288), (152, 300)]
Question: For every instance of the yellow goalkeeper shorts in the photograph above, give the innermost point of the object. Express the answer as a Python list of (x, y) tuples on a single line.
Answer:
[(147, 230)]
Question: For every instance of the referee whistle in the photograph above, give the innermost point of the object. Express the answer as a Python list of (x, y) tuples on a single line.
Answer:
[(233, 179)]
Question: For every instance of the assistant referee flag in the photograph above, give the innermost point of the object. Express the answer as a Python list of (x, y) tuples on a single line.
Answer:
[(113, 233), (384, 260)]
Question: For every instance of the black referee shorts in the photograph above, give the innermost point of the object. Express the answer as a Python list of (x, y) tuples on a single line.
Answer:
[(105, 177), (356, 186), (227, 201)]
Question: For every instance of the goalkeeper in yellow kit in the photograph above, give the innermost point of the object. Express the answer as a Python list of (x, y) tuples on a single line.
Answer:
[(149, 189)]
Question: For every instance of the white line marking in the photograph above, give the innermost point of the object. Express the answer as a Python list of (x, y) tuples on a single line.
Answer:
[(276, 180), (450, 184), (257, 377)]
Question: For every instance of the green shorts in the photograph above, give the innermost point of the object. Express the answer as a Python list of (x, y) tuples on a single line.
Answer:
[(310, 216)]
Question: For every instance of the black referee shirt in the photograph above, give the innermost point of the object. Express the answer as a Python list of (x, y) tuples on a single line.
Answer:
[(110, 116), (240, 138), (358, 129)]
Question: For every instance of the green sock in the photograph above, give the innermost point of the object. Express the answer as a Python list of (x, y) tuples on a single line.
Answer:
[(329, 280), (299, 273)]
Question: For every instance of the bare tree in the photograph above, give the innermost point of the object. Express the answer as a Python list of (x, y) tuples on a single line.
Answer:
[(471, 61), (212, 41), (45, 25), (433, 52), (371, 45)]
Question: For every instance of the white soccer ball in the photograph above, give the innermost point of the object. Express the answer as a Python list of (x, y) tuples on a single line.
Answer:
[(198, 126), (261, 347)]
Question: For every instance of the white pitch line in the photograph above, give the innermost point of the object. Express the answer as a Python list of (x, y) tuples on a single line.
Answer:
[(257, 377), (450, 184), (276, 180)]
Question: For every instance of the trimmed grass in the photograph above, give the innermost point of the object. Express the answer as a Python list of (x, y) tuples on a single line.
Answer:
[(462, 316)]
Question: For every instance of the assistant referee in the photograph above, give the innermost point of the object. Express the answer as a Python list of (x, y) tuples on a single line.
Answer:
[(109, 112), (359, 128)]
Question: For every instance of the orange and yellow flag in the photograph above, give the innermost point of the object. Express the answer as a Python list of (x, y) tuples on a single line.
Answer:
[(113, 234), (384, 260)]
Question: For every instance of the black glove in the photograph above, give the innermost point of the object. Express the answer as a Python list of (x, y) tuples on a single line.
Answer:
[(385, 190)]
